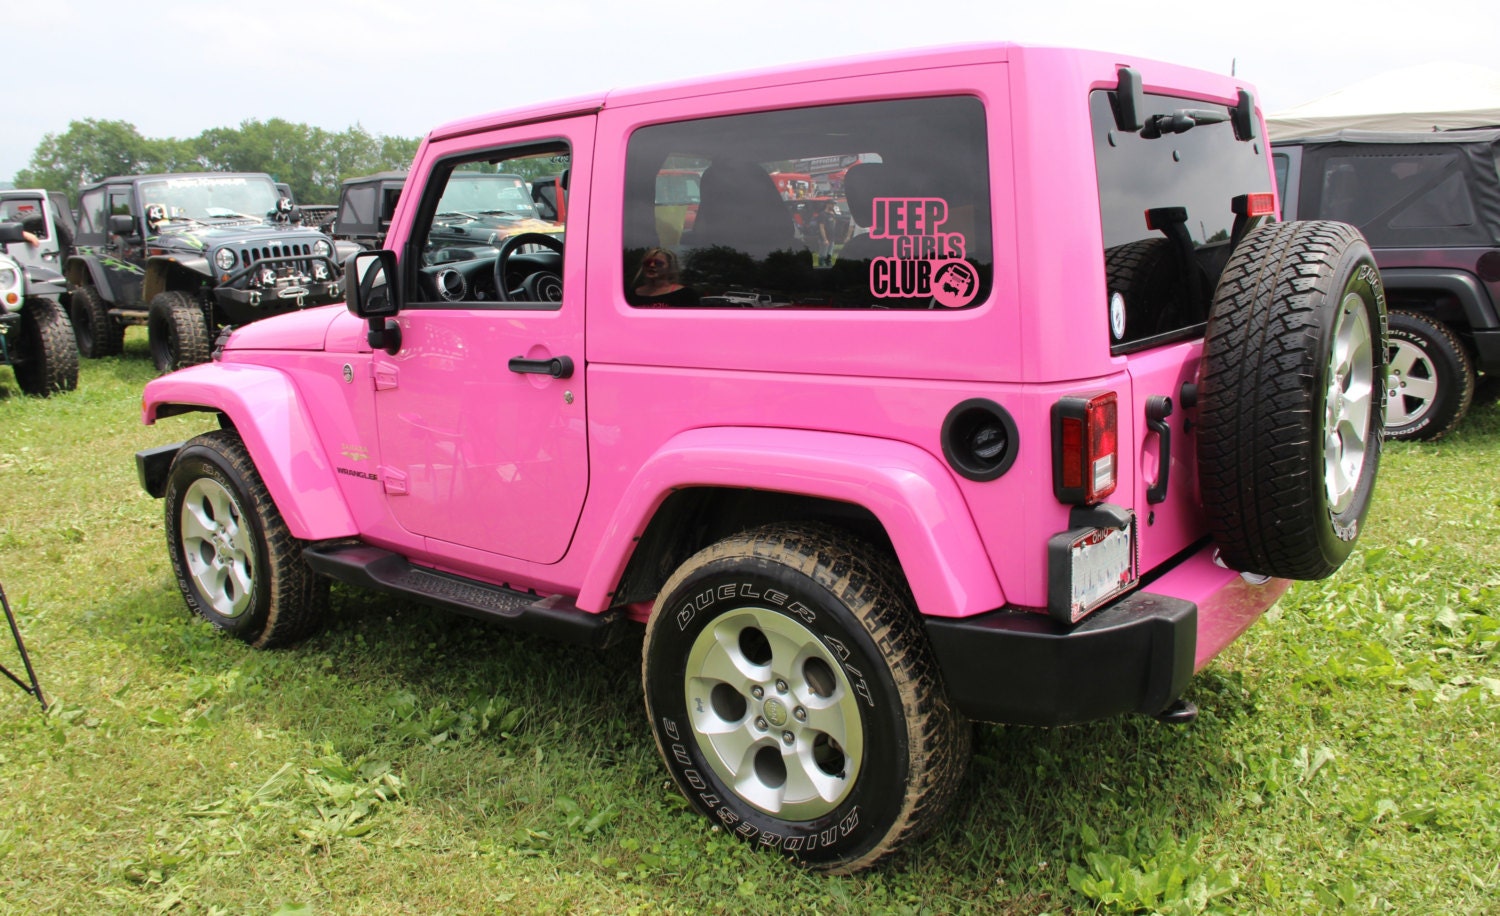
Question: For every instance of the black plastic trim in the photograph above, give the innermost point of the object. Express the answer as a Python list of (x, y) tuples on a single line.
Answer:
[(960, 423), (152, 466), (1024, 668), (372, 567)]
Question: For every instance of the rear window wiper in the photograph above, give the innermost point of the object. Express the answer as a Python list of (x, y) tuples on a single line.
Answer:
[(1180, 121)]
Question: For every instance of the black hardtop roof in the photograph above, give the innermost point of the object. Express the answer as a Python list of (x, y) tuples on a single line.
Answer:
[(1478, 136), (378, 176)]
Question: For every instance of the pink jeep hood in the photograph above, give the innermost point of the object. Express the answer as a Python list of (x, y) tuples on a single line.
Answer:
[(293, 331)]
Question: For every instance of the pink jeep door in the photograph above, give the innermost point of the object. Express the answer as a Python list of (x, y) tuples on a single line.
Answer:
[(481, 412)]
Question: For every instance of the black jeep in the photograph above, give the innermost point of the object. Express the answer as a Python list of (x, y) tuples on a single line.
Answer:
[(1429, 205), (188, 254), (366, 205)]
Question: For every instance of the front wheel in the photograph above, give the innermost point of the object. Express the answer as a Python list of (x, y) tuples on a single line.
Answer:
[(45, 358), (795, 700), (236, 563), (1430, 380), (178, 331)]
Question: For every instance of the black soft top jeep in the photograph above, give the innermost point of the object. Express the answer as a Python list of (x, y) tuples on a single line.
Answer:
[(1429, 204), (187, 254)]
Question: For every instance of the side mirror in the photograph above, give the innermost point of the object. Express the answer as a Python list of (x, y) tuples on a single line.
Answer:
[(370, 286), (122, 224), (10, 232)]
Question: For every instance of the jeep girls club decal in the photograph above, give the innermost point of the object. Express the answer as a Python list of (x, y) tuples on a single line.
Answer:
[(925, 261)]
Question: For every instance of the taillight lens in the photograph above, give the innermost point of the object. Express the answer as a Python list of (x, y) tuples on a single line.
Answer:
[(1085, 448)]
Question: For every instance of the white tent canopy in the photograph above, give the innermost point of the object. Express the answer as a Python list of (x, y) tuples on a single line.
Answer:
[(1434, 96)]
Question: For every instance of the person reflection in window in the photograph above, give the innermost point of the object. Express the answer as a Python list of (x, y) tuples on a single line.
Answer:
[(658, 282)]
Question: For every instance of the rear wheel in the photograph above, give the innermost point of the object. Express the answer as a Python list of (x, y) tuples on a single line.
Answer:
[(236, 563), (45, 358), (795, 700), (178, 331), (1291, 399), (98, 334), (1430, 380)]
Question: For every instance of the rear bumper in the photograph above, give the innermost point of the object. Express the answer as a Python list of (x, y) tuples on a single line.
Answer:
[(1135, 655)]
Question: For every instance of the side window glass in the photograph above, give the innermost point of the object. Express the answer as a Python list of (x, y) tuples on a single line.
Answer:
[(874, 205), (28, 212), (91, 213), (481, 237)]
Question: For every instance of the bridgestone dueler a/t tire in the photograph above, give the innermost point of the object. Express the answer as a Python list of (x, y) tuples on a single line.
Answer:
[(98, 334), (1291, 399), (1430, 380), (44, 356), (238, 566), (795, 700), (178, 331)]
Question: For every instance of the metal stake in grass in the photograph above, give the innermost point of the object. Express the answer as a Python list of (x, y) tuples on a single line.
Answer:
[(34, 688)]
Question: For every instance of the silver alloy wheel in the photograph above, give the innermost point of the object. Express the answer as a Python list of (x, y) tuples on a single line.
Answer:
[(774, 713), (1351, 398), (1410, 380), (219, 547)]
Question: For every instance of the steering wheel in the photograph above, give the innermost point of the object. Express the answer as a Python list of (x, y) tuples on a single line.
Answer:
[(539, 286)]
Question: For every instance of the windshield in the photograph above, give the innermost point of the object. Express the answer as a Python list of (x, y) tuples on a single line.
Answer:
[(487, 194), (207, 197)]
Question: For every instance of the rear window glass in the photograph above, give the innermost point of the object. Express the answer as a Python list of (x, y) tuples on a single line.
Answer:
[(874, 205), (1409, 190), (1166, 205)]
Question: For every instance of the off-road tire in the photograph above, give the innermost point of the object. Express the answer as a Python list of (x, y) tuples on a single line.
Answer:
[(1430, 379), (44, 354), (1290, 399), (788, 657), (236, 563), (98, 334), (178, 331)]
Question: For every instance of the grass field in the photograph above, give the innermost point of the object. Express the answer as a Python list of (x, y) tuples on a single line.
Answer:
[(408, 761)]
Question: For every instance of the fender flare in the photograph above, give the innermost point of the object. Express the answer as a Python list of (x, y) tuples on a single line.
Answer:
[(269, 413), (81, 268), (911, 493), (1468, 289), (160, 267)]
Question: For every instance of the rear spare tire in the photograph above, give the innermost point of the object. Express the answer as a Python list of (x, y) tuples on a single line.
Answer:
[(1292, 399)]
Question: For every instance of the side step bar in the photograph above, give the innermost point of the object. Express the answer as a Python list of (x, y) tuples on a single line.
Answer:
[(372, 567)]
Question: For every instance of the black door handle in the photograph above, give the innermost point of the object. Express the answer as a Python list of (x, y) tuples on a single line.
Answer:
[(1158, 408), (557, 366)]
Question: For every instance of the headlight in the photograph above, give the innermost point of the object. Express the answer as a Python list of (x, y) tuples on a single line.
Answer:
[(9, 278), (322, 249), (225, 259)]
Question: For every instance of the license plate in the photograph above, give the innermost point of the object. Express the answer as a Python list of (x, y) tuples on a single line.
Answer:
[(1101, 561)]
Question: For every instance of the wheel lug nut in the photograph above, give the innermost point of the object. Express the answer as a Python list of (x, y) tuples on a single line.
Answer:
[(758, 691), (800, 713), (760, 723), (788, 737), (780, 686)]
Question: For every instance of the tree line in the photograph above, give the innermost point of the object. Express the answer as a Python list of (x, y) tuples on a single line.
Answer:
[(313, 161)]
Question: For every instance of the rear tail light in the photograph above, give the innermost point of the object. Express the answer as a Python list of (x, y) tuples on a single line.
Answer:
[(1085, 440), (1261, 203)]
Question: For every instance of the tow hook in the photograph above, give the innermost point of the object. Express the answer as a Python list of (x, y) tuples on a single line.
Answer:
[(1181, 712)]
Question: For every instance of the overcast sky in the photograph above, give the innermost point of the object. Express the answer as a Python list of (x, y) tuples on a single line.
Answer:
[(175, 68)]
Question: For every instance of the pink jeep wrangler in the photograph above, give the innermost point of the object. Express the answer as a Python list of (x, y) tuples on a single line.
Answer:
[(1047, 430)]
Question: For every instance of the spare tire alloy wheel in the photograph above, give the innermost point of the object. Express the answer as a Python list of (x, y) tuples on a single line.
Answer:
[(779, 712), (1430, 383), (238, 566), (1292, 396)]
